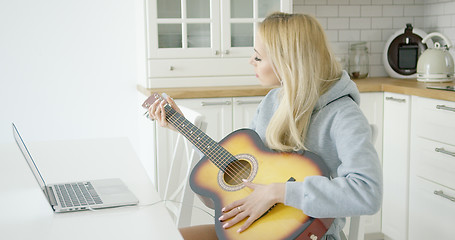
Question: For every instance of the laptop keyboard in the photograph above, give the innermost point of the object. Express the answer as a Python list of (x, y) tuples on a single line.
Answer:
[(77, 194)]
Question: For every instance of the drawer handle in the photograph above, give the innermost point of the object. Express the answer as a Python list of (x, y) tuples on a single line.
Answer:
[(215, 103), (444, 107), (442, 150), (401, 100), (239, 102), (442, 194)]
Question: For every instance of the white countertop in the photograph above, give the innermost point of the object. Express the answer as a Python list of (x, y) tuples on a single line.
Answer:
[(25, 213)]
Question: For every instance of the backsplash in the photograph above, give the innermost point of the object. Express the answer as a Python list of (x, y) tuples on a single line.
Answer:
[(374, 21)]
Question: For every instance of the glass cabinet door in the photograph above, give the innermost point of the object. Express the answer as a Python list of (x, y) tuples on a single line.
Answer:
[(206, 28), (240, 20), (183, 28)]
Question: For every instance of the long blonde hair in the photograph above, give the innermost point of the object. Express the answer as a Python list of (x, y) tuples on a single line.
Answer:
[(306, 67)]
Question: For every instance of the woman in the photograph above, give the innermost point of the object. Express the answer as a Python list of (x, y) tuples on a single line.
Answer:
[(315, 108)]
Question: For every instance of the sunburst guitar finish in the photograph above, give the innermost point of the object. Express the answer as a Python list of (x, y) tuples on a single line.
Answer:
[(242, 155)]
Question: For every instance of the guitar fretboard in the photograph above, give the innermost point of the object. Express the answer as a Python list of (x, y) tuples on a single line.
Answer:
[(210, 148)]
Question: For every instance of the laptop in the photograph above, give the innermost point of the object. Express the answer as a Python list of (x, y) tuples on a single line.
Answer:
[(82, 195)]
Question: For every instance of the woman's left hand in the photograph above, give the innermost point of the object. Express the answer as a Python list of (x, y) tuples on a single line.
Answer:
[(254, 206)]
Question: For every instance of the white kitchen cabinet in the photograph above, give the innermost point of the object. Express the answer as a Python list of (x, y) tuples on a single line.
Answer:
[(431, 216), (396, 165), (244, 109), (432, 170), (372, 104), (203, 42)]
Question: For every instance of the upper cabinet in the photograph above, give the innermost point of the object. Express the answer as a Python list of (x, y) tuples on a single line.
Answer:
[(204, 39)]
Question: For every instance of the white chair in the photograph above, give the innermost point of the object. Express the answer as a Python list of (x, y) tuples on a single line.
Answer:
[(356, 223), (356, 228), (179, 196)]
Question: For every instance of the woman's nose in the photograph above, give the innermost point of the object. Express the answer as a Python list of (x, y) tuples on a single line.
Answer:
[(252, 62)]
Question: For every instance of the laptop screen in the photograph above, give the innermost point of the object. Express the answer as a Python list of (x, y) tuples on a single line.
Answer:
[(29, 159)]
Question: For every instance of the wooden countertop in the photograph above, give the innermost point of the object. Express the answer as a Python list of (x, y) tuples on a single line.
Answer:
[(375, 84)]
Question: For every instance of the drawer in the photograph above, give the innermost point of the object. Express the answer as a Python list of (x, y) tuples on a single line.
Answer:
[(168, 68), (434, 161), (431, 212), (434, 119)]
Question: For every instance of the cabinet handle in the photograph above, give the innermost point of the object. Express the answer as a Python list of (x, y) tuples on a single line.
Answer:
[(401, 100), (171, 68), (226, 52), (442, 150), (442, 194), (216, 103), (444, 107), (216, 52), (240, 102)]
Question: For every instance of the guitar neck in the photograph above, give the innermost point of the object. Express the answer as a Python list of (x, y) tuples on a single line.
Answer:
[(209, 147)]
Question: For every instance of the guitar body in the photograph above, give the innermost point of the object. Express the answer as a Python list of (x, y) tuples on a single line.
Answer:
[(260, 165)]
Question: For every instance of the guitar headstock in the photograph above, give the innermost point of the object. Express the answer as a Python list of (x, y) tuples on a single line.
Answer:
[(150, 100)]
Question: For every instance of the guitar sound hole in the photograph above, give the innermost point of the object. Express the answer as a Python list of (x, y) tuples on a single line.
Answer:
[(236, 171)]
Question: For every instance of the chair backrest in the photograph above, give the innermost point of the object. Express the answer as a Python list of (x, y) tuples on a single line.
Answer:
[(356, 223), (178, 193)]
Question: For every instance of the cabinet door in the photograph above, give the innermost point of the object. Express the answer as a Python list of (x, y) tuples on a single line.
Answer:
[(244, 110), (239, 23), (183, 28), (372, 105), (434, 119), (396, 165), (432, 210)]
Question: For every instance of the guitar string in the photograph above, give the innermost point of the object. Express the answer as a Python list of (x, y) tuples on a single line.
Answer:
[(178, 123), (233, 167), (237, 168), (224, 154), (205, 139), (219, 152), (213, 152)]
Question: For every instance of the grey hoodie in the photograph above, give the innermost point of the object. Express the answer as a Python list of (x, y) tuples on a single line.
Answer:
[(341, 135)]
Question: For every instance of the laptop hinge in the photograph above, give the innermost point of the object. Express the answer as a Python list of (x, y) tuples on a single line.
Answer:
[(52, 199)]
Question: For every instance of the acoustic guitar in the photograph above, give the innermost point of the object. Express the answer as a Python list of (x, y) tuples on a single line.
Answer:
[(217, 177)]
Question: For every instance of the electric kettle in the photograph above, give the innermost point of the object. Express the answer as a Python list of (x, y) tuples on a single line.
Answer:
[(436, 64)]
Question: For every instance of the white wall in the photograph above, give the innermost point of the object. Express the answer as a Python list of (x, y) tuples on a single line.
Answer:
[(69, 68)]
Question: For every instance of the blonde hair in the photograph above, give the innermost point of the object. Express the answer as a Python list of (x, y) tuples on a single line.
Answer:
[(305, 65)]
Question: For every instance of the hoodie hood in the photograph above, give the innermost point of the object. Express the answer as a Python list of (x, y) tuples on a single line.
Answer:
[(343, 87)]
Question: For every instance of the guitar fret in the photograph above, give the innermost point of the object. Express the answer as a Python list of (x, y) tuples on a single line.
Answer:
[(216, 153)]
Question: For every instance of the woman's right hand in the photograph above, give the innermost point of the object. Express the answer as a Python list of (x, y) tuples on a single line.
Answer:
[(157, 112)]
